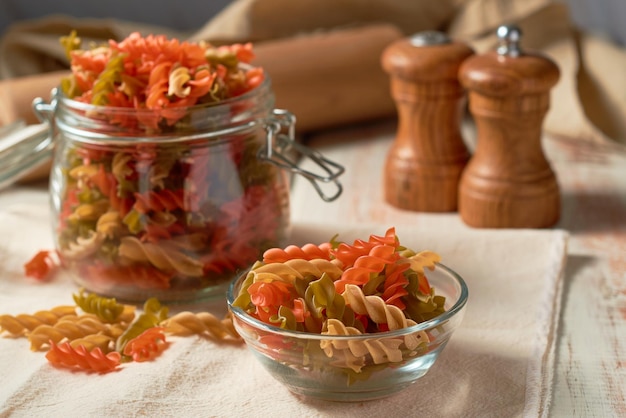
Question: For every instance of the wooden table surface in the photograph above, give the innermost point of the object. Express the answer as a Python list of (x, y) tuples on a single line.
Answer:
[(590, 377)]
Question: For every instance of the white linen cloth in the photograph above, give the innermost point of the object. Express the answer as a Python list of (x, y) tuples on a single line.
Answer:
[(499, 363)]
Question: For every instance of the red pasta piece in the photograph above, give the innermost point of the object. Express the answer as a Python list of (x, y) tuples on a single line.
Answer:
[(423, 284), (42, 265), (395, 284), (247, 222), (389, 238), (269, 296), (156, 97), (106, 182), (147, 345), (348, 254), (371, 264), (159, 201), (299, 310), (201, 83), (63, 355)]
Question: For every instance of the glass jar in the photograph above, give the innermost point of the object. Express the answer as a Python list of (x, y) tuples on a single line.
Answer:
[(172, 203)]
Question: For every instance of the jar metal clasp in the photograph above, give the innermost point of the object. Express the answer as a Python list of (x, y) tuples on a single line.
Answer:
[(279, 145)]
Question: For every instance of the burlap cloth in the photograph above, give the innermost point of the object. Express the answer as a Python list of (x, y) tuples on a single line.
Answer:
[(588, 102)]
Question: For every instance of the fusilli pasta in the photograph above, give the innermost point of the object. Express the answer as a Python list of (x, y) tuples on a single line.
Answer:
[(23, 323), (64, 355), (41, 336), (365, 289), (201, 323), (147, 345), (164, 256)]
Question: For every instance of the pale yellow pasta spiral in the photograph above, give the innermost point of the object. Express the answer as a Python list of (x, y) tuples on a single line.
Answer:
[(159, 172), (296, 268), (113, 329), (376, 308), (119, 166), (20, 324), (69, 330), (110, 224), (101, 341), (381, 350), (83, 247), (201, 323), (164, 256), (84, 171), (89, 211), (178, 77), (424, 259)]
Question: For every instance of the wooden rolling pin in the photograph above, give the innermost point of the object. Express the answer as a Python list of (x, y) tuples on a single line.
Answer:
[(325, 79), (331, 78)]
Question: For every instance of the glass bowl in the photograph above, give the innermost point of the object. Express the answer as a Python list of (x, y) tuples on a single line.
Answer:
[(353, 368)]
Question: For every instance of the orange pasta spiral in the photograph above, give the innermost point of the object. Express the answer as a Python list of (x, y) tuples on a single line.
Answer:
[(64, 355), (20, 324), (367, 266), (296, 268), (161, 200), (395, 284), (306, 252), (147, 345)]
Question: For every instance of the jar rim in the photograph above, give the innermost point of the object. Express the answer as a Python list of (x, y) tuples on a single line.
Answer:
[(89, 123), (77, 105)]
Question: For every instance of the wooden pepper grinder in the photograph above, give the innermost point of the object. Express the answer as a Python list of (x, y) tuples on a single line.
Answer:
[(424, 164), (509, 183)]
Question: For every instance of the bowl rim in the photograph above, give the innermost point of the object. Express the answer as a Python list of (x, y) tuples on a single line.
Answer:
[(422, 326)]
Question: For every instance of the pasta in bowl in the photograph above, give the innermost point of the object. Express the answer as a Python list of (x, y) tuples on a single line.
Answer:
[(348, 322)]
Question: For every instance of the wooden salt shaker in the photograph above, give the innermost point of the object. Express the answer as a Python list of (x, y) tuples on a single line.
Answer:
[(509, 183), (424, 164)]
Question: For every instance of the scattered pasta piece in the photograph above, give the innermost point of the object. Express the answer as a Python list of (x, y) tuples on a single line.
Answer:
[(23, 323), (42, 265), (41, 336), (103, 342), (64, 355), (201, 323), (107, 309), (98, 334), (147, 345)]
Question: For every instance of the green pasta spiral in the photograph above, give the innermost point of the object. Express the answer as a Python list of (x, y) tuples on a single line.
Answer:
[(107, 309), (153, 314)]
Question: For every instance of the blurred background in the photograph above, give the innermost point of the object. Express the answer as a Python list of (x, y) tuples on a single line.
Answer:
[(316, 50), (602, 17)]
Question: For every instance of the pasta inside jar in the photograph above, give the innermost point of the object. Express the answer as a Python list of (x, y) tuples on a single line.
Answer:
[(170, 167), (160, 217)]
